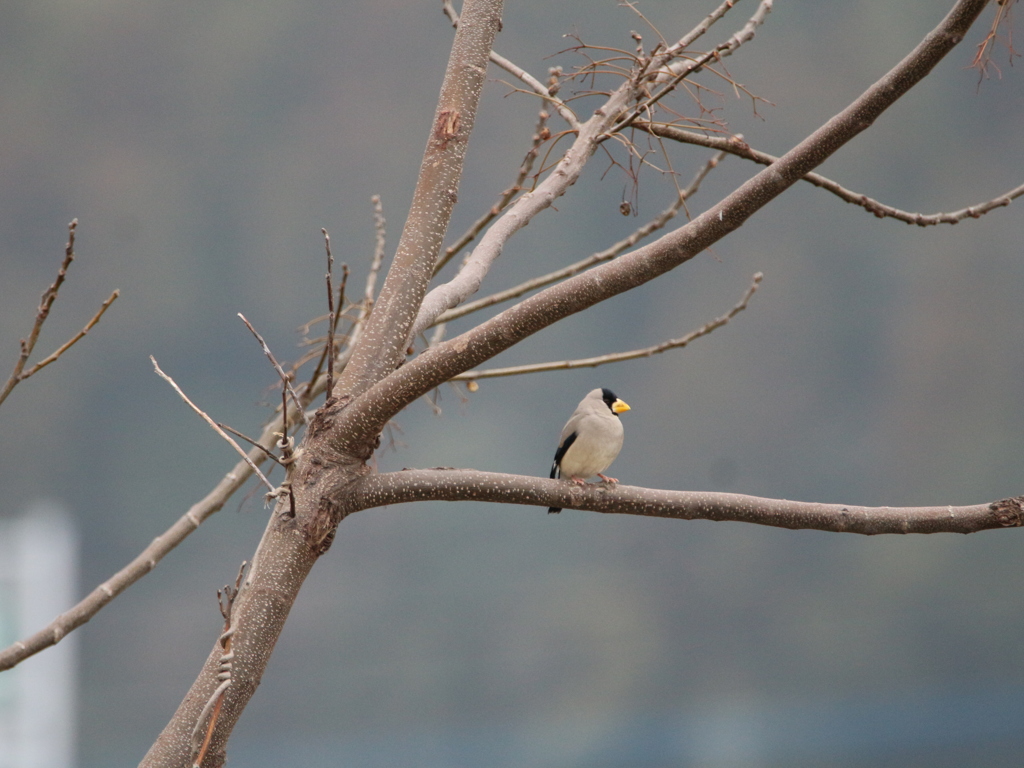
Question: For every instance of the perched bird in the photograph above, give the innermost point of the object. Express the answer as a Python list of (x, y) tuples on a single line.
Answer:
[(590, 440)]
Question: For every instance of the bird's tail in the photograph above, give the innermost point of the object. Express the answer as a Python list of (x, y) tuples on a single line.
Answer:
[(554, 474)]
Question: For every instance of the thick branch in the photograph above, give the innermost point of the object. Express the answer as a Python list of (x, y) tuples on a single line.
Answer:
[(539, 137), (258, 616), (473, 485), (147, 560), (381, 347), (332, 474)]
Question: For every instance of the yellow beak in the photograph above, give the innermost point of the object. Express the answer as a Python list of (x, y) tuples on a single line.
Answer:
[(619, 406)]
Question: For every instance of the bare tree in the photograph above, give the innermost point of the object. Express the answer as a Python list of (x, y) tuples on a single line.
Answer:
[(374, 364)]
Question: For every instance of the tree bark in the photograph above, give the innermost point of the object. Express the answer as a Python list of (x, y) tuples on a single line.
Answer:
[(474, 485)]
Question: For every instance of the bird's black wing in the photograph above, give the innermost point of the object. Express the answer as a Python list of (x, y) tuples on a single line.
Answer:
[(555, 468), (569, 440)]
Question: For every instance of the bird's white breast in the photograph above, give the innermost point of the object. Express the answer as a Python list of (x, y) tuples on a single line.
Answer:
[(598, 442)]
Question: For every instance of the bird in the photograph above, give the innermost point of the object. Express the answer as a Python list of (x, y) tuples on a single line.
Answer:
[(590, 440)]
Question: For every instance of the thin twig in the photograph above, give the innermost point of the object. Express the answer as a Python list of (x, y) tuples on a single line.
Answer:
[(157, 549), (323, 352), (77, 337), (689, 67), (603, 124), (636, 236), (983, 57), (366, 305), (212, 424), (617, 357), (285, 379), (266, 451), (692, 36), (438, 335), (284, 412), (536, 86), (330, 314), (740, 148), (19, 374)]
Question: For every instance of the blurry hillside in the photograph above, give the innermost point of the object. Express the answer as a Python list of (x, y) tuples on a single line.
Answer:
[(203, 146)]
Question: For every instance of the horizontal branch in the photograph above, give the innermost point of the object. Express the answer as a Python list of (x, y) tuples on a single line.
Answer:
[(472, 485), (881, 210)]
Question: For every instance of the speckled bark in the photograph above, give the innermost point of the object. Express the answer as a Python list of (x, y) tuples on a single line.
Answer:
[(472, 485), (280, 567), (381, 347)]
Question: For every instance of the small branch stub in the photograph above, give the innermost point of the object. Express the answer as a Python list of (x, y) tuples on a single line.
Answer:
[(447, 127), (1009, 512)]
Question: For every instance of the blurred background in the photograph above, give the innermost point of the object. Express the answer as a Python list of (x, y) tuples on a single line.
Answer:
[(202, 146)]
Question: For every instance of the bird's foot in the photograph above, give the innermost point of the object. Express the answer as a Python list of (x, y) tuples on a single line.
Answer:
[(607, 479), (579, 480)]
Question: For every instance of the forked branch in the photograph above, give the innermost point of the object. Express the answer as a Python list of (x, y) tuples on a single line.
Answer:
[(336, 479), (28, 345)]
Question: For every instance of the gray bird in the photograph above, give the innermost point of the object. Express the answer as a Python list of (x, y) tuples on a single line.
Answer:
[(590, 440)]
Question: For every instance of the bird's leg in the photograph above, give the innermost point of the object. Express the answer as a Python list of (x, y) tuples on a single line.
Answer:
[(607, 479)]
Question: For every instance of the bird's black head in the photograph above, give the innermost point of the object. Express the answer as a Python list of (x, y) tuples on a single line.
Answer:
[(615, 405)]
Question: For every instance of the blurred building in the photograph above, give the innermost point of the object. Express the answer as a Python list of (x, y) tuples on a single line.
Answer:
[(38, 567)]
